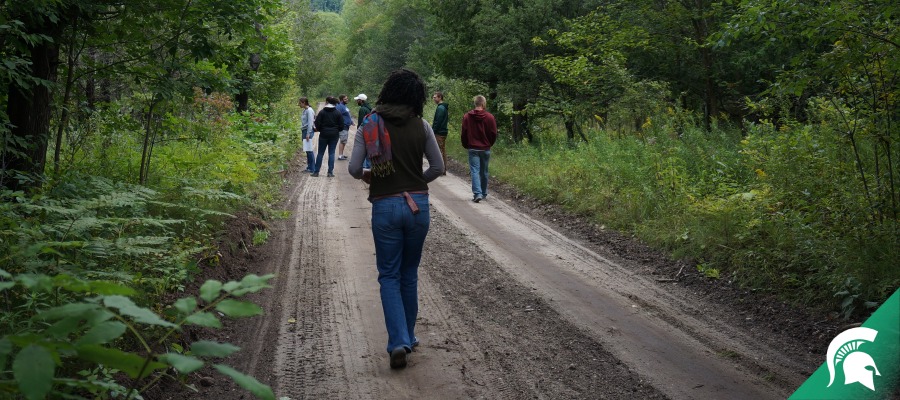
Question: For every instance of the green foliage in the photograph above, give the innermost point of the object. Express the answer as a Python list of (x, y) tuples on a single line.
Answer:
[(81, 330), (592, 58), (260, 237), (334, 6), (86, 260), (849, 66), (778, 209), (381, 37)]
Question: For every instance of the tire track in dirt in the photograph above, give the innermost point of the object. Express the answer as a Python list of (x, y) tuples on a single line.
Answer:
[(509, 309), (282, 262), (438, 367), (529, 349), (640, 324), (300, 356), (324, 258)]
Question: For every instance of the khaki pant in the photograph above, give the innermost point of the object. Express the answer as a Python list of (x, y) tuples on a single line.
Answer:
[(440, 141)]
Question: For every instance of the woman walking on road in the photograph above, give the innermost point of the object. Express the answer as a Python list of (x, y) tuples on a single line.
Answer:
[(394, 138), (329, 124)]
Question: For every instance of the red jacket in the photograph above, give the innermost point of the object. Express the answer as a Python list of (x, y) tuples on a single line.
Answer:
[(479, 130)]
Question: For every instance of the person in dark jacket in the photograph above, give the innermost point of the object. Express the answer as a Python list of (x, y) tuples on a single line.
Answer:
[(364, 107), (439, 124), (394, 138), (329, 123), (479, 132)]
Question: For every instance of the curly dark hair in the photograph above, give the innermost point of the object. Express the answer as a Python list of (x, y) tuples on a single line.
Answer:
[(404, 86)]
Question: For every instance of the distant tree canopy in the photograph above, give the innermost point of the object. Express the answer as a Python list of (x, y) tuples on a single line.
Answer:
[(328, 5), (62, 59)]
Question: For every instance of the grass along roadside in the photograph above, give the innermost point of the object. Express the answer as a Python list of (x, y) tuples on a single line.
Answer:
[(777, 210), (88, 261)]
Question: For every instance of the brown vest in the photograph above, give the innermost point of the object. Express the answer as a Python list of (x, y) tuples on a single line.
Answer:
[(407, 148)]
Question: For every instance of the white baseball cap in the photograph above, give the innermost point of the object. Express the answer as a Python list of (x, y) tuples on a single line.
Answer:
[(361, 96)]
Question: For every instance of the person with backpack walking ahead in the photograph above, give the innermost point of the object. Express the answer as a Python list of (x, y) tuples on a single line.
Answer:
[(394, 138), (479, 132)]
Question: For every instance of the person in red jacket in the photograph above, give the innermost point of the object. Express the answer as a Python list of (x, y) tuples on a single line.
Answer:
[(479, 132)]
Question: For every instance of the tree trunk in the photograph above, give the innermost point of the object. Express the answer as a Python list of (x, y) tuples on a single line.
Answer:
[(701, 24), (242, 101), (710, 95), (145, 150), (520, 122), (70, 81), (29, 115)]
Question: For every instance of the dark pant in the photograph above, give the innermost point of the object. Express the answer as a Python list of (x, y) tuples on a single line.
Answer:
[(329, 142)]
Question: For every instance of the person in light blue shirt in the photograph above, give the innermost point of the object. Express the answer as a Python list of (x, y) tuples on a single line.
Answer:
[(348, 122), (307, 131)]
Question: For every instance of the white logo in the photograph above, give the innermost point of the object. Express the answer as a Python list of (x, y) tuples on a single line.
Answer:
[(845, 348)]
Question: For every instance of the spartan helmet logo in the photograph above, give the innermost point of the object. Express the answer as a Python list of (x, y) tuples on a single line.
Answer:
[(845, 349)]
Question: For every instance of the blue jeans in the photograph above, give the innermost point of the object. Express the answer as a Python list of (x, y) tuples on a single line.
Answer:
[(399, 237), (311, 157), (330, 142), (478, 168)]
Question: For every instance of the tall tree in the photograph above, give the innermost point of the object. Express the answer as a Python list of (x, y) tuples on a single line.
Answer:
[(491, 41), (40, 28), (156, 44), (850, 56)]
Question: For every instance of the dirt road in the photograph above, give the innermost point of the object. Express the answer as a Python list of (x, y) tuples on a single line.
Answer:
[(510, 309)]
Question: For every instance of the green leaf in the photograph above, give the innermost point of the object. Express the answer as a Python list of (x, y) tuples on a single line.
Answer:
[(6, 285), (236, 308), (67, 311), (252, 283), (62, 328), (36, 282), (70, 283), (210, 290), (186, 305), (128, 363), (34, 369), (184, 364), (231, 286), (206, 348), (204, 319), (111, 288), (103, 333), (247, 382), (6, 347), (139, 314)]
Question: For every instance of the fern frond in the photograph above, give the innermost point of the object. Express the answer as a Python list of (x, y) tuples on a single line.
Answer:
[(115, 200), (210, 194), (142, 245)]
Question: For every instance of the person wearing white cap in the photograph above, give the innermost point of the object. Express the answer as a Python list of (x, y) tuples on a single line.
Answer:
[(364, 107)]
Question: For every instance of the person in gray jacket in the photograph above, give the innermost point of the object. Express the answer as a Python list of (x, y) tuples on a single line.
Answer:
[(307, 131)]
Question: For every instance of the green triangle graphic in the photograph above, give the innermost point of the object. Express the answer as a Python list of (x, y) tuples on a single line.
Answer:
[(884, 351)]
